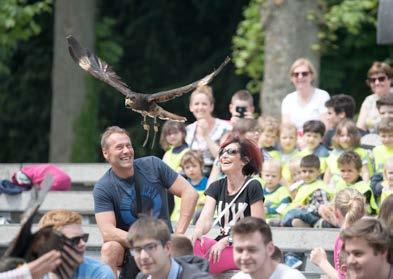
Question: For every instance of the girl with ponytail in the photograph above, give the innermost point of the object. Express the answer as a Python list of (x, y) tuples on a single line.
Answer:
[(349, 206)]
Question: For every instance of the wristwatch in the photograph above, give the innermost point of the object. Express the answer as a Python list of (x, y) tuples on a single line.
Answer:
[(229, 239)]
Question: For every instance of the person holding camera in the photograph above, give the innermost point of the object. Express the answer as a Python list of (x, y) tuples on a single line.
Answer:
[(241, 106), (205, 133)]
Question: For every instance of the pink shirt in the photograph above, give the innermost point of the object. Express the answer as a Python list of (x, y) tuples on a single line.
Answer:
[(338, 245)]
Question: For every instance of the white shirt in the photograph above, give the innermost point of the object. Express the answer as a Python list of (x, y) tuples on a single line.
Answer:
[(282, 271), (299, 113)]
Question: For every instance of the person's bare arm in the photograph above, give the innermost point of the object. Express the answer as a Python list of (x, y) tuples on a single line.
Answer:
[(188, 199), (319, 258), (205, 220), (361, 123), (214, 173), (327, 176), (106, 222), (258, 209), (365, 173)]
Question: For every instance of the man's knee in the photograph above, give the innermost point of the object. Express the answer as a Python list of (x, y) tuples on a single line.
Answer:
[(112, 252)]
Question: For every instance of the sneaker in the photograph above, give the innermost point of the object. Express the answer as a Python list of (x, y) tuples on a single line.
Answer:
[(292, 261)]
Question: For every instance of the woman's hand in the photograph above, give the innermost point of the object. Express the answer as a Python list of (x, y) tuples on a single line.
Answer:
[(327, 213), (44, 264), (216, 249), (203, 128), (197, 234), (317, 256)]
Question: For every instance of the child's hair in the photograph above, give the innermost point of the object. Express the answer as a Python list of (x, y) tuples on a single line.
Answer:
[(342, 103), (386, 125), (385, 211), (244, 125), (388, 162), (386, 100), (243, 95), (277, 255), (170, 127), (350, 158), (269, 124), (193, 157), (310, 161), (351, 204), (181, 246), (276, 163), (314, 126), (352, 130), (287, 126)]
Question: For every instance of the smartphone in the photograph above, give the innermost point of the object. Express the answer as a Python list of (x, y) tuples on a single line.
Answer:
[(241, 111)]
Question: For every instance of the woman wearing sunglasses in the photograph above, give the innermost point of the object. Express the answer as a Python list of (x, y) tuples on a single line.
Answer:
[(235, 196), (307, 102), (379, 80)]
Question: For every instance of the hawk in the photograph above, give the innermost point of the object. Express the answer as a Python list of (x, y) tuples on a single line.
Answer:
[(145, 104)]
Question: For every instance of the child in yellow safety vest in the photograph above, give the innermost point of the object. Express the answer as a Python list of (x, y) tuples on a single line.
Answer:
[(288, 150), (387, 183), (269, 132), (382, 152)]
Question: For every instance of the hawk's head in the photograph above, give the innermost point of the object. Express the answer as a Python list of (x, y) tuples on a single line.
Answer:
[(130, 101)]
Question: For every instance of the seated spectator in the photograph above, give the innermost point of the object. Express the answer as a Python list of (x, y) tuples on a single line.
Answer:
[(35, 174), (382, 152), (295, 180), (277, 197), (181, 246), (288, 149), (379, 80), (387, 183), (192, 167), (241, 106), (307, 102), (385, 211), (313, 132), (235, 196), (172, 140), (70, 224), (205, 133), (253, 252), (346, 138), (35, 269), (269, 134), (368, 245), (385, 106), (349, 206), (150, 244), (339, 107)]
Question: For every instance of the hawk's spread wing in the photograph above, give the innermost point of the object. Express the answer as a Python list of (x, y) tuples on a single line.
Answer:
[(164, 96), (98, 68)]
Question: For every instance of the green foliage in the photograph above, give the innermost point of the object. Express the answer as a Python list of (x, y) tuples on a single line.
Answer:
[(18, 23), (248, 46)]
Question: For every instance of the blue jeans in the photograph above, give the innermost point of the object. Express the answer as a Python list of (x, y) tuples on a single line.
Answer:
[(299, 213)]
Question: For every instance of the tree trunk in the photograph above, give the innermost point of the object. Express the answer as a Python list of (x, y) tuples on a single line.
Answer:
[(289, 35), (74, 17)]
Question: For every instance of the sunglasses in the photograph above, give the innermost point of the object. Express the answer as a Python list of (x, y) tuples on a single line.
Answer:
[(229, 151), (303, 74), (76, 239), (380, 79), (148, 248)]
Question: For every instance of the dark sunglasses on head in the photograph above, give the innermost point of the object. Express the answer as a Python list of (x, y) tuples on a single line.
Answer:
[(380, 79), (297, 74), (229, 151), (76, 239)]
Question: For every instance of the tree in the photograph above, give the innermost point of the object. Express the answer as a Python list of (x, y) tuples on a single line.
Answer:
[(68, 82)]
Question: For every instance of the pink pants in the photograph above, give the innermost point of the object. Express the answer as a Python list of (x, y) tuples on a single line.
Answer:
[(225, 261)]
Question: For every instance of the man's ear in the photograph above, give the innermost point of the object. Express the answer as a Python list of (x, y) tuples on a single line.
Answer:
[(168, 246), (342, 115), (270, 248), (105, 153)]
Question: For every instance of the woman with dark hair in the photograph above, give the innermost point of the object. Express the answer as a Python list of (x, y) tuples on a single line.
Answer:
[(379, 79), (235, 196)]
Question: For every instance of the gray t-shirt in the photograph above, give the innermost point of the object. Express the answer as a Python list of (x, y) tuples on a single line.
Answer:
[(112, 193), (282, 271)]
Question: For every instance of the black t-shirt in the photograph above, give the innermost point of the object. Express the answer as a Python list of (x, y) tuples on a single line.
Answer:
[(241, 207)]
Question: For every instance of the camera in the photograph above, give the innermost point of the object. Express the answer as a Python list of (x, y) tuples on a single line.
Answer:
[(241, 111)]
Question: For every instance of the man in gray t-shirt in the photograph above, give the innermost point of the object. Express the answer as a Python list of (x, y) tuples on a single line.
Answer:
[(118, 201), (253, 249)]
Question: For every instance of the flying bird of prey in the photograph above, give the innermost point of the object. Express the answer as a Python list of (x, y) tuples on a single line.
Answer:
[(28, 246), (145, 104)]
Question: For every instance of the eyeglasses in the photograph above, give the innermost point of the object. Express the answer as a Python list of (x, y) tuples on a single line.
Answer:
[(297, 74), (229, 151), (76, 239), (148, 248), (380, 79)]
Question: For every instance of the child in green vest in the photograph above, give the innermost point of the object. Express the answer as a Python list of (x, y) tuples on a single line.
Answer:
[(382, 152), (277, 196), (269, 128), (172, 140), (303, 211), (288, 150), (192, 166), (346, 138), (387, 183)]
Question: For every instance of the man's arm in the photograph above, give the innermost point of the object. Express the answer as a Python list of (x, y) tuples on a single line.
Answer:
[(189, 198), (106, 222)]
